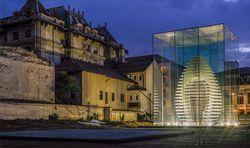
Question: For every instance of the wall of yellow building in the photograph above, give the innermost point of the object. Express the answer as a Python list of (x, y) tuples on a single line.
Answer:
[(146, 81), (50, 37), (136, 77), (93, 83), (245, 107)]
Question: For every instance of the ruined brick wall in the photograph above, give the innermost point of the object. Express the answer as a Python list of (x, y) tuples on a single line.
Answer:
[(23, 76)]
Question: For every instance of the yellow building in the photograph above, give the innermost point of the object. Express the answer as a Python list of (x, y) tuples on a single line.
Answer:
[(100, 86), (58, 32), (243, 97), (144, 95)]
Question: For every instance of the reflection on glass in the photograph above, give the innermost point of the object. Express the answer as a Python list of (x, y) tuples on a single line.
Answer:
[(214, 47)]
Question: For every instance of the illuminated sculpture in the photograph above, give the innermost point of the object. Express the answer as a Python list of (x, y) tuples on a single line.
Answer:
[(198, 99)]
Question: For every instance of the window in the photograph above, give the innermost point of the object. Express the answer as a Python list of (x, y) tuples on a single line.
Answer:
[(106, 97), (67, 43), (73, 95), (101, 95), (15, 35), (122, 98), (27, 33), (140, 77), (62, 41), (164, 102), (248, 98), (137, 97), (131, 98), (134, 77), (240, 99), (134, 105), (95, 51), (88, 48), (113, 97), (164, 80)]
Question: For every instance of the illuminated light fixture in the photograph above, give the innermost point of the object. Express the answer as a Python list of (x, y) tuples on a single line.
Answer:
[(198, 96)]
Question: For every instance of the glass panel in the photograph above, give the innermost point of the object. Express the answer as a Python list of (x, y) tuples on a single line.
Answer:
[(202, 65)]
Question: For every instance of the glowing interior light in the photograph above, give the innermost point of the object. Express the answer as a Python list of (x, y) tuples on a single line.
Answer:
[(198, 96)]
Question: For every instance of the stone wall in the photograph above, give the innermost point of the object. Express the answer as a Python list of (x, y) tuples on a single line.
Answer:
[(11, 111), (126, 115), (23, 76)]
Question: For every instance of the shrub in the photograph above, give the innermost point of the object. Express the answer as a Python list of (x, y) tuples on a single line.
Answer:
[(54, 116), (122, 117)]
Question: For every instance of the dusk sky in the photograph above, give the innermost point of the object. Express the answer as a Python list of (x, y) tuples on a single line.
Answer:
[(132, 22)]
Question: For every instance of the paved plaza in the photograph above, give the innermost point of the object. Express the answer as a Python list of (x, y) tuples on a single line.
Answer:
[(92, 135), (201, 137)]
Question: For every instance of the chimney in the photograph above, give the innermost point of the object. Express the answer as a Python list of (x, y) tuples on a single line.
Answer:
[(73, 11), (69, 8), (37, 6), (90, 24), (82, 14)]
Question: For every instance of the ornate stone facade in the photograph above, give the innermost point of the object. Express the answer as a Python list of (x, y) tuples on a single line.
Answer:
[(58, 32)]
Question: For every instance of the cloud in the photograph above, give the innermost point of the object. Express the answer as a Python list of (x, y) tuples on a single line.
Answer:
[(245, 47), (231, 0)]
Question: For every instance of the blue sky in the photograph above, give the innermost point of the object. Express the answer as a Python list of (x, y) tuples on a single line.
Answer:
[(133, 22)]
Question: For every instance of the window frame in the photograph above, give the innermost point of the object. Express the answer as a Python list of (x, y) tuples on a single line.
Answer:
[(106, 97), (100, 95), (122, 98), (113, 97)]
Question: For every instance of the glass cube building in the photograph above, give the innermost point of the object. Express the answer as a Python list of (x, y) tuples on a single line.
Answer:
[(202, 64)]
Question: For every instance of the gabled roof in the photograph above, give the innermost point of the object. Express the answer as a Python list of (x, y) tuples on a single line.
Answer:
[(139, 63), (34, 5), (74, 65), (135, 64)]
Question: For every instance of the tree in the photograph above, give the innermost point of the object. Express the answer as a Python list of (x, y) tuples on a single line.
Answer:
[(65, 84)]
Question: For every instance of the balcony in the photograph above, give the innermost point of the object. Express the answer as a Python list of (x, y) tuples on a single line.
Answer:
[(136, 87), (134, 106)]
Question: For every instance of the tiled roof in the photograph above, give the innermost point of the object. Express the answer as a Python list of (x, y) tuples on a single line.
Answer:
[(137, 64), (73, 65)]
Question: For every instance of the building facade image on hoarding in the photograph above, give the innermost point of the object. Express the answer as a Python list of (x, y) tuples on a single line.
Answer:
[(203, 66)]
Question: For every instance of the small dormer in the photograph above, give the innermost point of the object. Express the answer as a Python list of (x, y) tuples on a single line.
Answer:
[(87, 30)]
